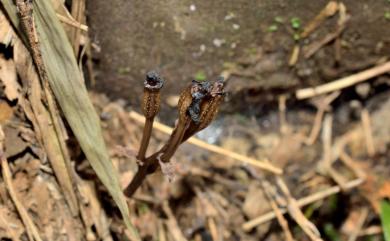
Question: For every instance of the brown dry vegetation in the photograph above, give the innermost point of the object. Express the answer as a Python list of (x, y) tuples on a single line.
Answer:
[(321, 116)]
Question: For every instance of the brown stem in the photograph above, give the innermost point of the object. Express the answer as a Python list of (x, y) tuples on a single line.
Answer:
[(151, 163), (150, 166), (175, 140), (148, 127), (136, 181)]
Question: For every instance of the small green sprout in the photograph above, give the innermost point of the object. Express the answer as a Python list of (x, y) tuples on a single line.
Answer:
[(387, 15), (295, 23)]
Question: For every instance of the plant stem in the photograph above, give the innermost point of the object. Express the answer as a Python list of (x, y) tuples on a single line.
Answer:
[(150, 166), (148, 127)]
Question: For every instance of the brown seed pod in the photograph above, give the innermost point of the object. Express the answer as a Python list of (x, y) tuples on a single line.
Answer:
[(189, 111), (151, 100), (150, 106), (208, 109)]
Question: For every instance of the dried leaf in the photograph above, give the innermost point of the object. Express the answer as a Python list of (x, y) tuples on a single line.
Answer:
[(43, 126), (68, 86), (6, 112), (6, 32), (9, 79)]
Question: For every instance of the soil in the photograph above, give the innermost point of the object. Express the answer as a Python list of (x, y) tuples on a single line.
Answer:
[(188, 39)]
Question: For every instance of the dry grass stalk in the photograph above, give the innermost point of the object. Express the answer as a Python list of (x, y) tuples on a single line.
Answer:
[(282, 114), (278, 213), (366, 122), (329, 10), (322, 104), (31, 229), (343, 82), (161, 231), (359, 225), (172, 224), (301, 202), (213, 229), (325, 165), (296, 213), (311, 49), (343, 18), (66, 82), (294, 55), (28, 24), (262, 164), (372, 230), (351, 164), (72, 22), (78, 13)]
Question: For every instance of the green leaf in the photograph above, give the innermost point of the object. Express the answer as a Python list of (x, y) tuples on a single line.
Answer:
[(67, 83), (387, 15), (295, 23), (331, 232), (385, 218)]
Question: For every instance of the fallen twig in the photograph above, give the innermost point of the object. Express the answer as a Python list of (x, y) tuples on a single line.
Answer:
[(373, 230), (282, 114), (343, 82), (311, 49), (301, 202), (322, 104), (366, 122), (213, 148), (296, 213), (294, 55), (72, 22), (329, 10), (359, 225), (279, 216)]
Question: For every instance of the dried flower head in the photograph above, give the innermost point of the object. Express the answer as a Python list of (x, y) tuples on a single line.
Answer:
[(199, 90), (208, 108), (151, 100)]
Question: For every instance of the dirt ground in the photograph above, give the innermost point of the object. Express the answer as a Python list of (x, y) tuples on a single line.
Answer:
[(253, 40)]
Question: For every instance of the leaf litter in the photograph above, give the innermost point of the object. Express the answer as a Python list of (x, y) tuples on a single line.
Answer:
[(213, 195)]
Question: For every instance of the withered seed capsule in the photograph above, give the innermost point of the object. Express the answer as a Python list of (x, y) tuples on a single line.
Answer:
[(208, 109), (151, 100), (189, 111), (150, 107)]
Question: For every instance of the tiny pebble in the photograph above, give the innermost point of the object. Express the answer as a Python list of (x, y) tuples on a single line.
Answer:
[(363, 89), (236, 26), (192, 8), (218, 42), (202, 48), (230, 16)]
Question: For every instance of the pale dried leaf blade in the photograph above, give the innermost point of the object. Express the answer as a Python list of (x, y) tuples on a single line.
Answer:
[(9, 79), (66, 82)]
